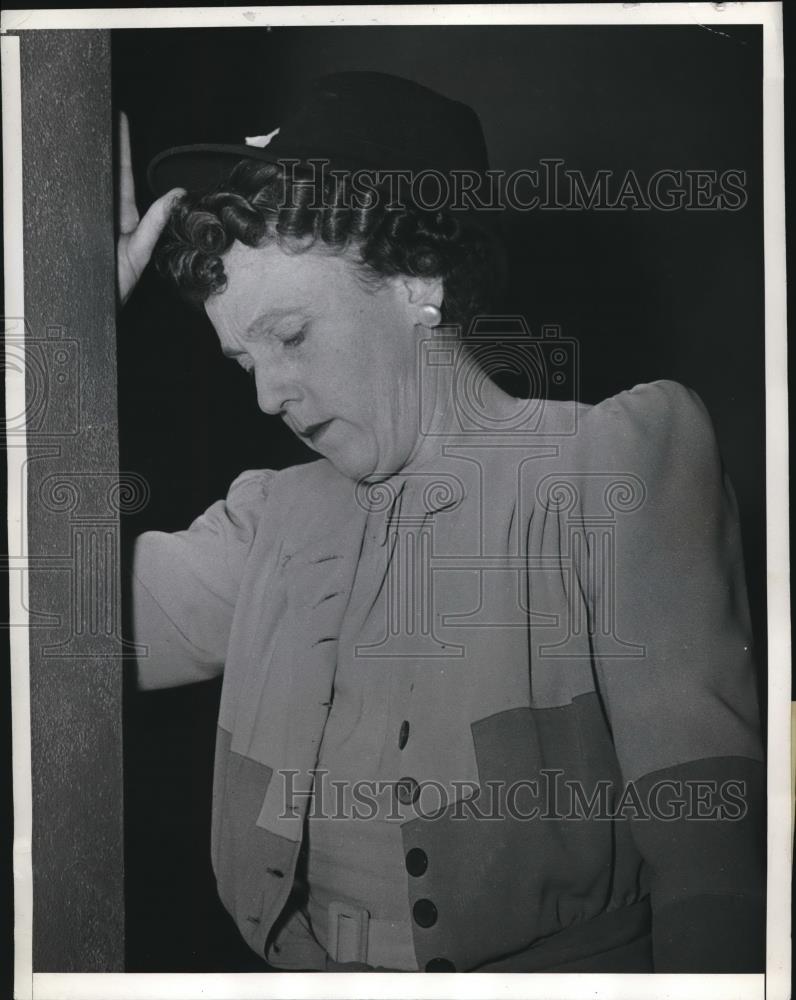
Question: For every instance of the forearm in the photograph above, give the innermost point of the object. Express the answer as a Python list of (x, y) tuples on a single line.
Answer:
[(165, 655)]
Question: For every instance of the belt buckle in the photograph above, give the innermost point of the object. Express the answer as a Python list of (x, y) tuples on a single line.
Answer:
[(348, 932)]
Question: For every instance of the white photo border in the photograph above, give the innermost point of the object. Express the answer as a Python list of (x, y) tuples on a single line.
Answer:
[(775, 983)]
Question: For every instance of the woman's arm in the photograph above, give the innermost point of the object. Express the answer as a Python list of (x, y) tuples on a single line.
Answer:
[(137, 237), (185, 586), (684, 716)]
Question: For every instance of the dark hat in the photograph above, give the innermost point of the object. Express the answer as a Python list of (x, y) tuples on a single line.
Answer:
[(354, 120)]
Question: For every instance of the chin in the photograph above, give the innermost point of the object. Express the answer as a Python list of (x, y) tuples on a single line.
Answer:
[(363, 463), (353, 467), (359, 471)]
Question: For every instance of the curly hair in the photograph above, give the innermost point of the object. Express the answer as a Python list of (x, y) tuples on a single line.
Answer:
[(259, 203)]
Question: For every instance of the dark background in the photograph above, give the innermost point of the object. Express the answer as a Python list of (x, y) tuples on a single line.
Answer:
[(647, 295)]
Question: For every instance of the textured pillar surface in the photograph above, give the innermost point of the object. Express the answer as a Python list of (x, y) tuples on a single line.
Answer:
[(74, 500)]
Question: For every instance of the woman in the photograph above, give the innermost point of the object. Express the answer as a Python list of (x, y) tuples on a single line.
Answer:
[(488, 698)]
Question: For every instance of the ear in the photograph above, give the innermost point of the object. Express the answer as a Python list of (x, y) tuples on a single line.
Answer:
[(422, 291)]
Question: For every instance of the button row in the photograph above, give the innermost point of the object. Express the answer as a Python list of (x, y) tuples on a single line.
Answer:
[(424, 911)]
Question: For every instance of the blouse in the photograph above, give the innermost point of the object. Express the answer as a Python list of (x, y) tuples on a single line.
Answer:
[(497, 711)]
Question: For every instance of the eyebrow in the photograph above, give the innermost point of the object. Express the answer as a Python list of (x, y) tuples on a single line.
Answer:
[(261, 325)]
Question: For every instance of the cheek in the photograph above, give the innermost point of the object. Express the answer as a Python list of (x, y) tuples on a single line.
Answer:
[(367, 368), (392, 358), (371, 367), (385, 387)]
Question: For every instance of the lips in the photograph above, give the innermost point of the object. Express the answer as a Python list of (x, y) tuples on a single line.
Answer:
[(310, 431)]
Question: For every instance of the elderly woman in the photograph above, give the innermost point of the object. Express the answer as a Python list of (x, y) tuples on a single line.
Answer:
[(488, 699)]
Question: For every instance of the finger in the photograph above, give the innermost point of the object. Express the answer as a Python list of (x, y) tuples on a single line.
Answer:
[(128, 212), (143, 240)]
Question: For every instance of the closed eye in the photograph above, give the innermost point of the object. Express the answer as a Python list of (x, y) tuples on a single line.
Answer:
[(296, 338)]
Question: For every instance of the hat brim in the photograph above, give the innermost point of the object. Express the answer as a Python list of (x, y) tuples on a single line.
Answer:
[(199, 167)]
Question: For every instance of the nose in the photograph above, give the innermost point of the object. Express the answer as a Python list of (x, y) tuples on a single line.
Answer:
[(273, 391)]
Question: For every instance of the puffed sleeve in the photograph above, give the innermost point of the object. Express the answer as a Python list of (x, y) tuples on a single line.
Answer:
[(684, 710), (185, 585)]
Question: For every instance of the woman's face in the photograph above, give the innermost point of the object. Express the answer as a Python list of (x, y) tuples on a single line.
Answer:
[(335, 358)]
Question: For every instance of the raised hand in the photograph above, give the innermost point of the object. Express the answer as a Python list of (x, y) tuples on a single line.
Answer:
[(137, 237)]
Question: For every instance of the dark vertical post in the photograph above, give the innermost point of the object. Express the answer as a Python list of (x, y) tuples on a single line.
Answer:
[(74, 498)]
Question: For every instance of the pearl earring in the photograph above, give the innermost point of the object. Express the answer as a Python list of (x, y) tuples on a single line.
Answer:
[(432, 316)]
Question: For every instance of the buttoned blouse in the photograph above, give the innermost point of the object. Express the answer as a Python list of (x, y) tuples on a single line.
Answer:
[(563, 602)]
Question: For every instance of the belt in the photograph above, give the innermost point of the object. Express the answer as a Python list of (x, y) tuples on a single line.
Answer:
[(354, 936), (618, 941)]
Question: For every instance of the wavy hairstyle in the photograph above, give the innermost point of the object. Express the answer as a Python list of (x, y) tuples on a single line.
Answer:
[(260, 203)]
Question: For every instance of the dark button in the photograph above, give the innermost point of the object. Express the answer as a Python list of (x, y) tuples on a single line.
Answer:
[(407, 790), (425, 913), (440, 965), (403, 734), (416, 862)]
